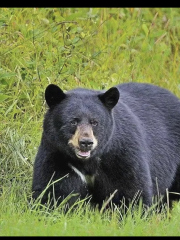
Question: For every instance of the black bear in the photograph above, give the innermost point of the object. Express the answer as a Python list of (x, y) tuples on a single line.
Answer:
[(120, 142)]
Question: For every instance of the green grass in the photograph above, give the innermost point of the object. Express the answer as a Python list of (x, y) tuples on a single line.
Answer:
[(88, 47), (20, 219)]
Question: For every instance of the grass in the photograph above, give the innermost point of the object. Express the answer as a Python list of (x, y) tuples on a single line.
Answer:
[(18, 219), (88, 47)]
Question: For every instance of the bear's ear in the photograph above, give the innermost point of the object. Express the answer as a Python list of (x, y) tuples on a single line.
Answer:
[(110, 97), (53, 95)]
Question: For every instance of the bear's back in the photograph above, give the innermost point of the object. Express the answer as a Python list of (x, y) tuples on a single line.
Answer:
[(149, 100)]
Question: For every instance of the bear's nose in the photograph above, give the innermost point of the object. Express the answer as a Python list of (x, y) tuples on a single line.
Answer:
[(85, 144)]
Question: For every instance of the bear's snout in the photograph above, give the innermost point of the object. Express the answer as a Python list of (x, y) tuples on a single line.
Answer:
[(83, 141), (85, 144)]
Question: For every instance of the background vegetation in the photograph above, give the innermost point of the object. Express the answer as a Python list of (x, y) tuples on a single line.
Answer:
[(88, 47)]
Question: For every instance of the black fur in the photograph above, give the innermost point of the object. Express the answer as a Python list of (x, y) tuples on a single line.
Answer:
[(138, 149)]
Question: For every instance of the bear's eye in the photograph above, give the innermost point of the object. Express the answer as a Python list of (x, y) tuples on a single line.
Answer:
[(74, 122), (93, 122)]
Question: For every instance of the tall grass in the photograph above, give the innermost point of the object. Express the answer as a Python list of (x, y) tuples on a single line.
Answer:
[(88, 47)]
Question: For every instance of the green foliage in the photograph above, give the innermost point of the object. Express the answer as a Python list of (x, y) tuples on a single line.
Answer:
[(88, 47)]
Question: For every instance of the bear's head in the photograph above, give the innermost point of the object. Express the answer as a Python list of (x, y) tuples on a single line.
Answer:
[(79, 122)]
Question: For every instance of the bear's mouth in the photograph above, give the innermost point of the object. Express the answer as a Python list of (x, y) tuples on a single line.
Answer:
[(82, 154)]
